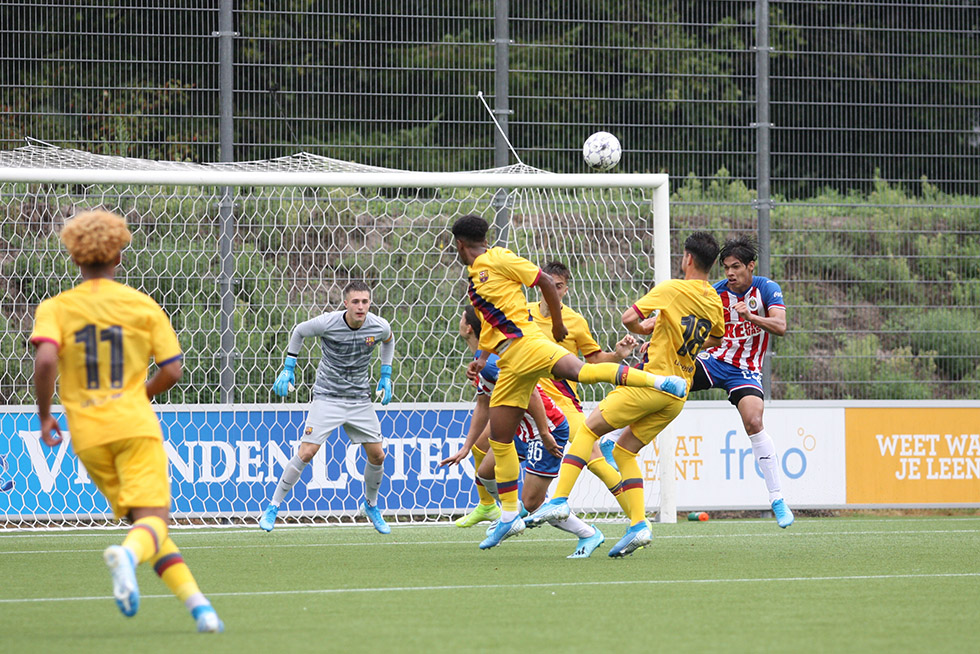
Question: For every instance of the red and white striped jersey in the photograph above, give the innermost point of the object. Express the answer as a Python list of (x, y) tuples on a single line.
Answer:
[(528, 429), (744, 344)]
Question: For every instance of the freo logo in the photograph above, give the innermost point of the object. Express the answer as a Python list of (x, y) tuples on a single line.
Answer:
[(792, 460)]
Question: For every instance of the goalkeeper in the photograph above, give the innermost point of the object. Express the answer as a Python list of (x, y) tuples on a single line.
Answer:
[(341, 394)]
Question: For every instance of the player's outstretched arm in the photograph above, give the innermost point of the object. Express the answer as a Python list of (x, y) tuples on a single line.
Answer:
[(478, 424), (623, 349), (637, 324), (45, 374)]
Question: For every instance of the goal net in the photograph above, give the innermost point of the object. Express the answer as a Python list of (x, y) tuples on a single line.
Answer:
[(238, 253)]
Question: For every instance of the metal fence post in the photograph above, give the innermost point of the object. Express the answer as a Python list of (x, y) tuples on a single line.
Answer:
[(763, 201), (226, 206), (501, 109)]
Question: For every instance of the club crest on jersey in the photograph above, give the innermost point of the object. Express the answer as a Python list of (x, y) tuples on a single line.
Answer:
[(369, 341), (309, 430), (753, 303), (484, 275)]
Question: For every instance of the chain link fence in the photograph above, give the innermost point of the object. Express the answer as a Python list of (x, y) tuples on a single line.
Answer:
[(845, 135)]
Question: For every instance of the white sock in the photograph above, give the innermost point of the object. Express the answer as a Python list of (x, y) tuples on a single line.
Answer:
[(765, 456), (196, 600), (491, 486), (575, 525), (289, 478), (372, 481)]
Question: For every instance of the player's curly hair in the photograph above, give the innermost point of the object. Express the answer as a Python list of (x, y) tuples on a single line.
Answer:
[(471, 228), (95, 238)]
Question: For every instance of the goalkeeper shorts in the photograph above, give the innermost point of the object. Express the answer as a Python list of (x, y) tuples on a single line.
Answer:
[(357, 417)]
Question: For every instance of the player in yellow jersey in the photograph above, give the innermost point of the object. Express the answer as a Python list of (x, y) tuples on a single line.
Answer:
[(563, 393), (497, 278), (683, 316), (100, 337)]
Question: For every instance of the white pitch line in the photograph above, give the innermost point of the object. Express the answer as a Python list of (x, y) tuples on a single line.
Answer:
[(206, 530), (565, 584), (774, 534)]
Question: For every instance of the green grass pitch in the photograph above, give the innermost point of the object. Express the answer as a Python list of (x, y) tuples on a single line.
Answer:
[(856, 584)]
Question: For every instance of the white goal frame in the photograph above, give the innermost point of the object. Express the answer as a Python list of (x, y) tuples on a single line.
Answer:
[(230, 177)]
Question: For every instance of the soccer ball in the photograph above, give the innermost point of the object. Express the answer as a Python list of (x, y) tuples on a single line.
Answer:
[(602, 151)]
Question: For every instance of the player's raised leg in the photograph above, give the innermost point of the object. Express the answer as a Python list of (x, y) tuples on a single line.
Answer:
[(618, 374)]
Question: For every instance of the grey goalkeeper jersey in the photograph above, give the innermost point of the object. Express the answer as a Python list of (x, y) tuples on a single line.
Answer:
[(345, 365)]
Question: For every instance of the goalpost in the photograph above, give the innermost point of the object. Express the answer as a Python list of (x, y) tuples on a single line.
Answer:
[(239, 253)]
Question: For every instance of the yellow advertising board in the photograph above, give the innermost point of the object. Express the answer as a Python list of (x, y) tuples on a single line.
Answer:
[(913, 456)]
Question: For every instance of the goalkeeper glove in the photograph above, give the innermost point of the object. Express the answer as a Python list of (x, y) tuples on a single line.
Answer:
[(284, 381), (384, 385)]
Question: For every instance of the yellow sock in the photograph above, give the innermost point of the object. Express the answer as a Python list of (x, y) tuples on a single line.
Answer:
[(612, 479), (485, 496), (576, 456), (507, 468), (615, 373), (605, 472), (632, 484), (170, 566), (144, 538)]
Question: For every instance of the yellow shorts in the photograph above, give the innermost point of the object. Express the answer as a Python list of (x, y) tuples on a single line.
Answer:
[(130, 473), (523, 363), (645, 410)]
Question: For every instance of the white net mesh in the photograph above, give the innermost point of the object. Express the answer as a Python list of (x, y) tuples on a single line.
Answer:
[(235, 280)]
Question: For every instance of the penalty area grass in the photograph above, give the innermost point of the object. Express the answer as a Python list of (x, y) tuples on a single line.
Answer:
[(825, 584)]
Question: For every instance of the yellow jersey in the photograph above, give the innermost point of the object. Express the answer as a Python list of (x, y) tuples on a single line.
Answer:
[(497, 281), (106, 333), (690, 311), (579, 339)]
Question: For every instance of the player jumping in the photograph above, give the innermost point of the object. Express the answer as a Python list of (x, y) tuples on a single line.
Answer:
[(496, 280), (754, 309), (683, 316), (540, 441)]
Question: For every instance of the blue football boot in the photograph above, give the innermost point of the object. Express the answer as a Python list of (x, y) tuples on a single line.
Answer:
[(784, 517), (636, 537)]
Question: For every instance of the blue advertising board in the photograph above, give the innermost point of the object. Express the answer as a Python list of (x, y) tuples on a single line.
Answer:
[(225, 461)]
